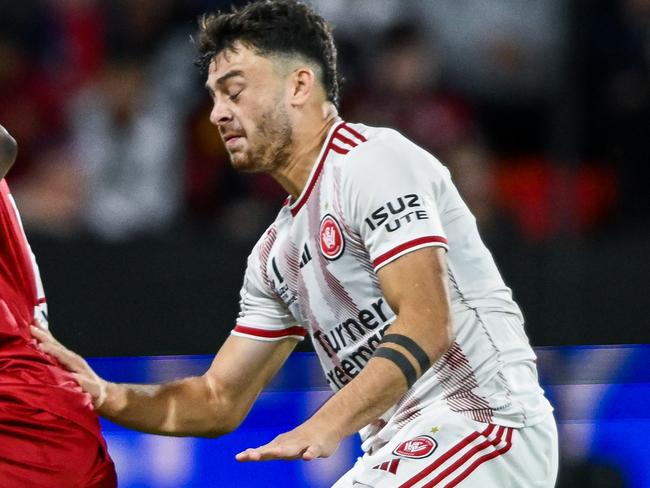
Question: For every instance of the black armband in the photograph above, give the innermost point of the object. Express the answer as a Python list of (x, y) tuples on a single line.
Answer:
[(411, 346), (400, 361)]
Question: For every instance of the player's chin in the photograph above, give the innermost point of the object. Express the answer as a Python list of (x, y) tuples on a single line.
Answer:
[(239, 161), (243, 162)]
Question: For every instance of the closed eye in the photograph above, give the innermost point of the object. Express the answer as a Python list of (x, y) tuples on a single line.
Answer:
[(234, 97)]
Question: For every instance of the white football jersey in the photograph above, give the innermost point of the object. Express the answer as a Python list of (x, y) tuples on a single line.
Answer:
[(371, 197)]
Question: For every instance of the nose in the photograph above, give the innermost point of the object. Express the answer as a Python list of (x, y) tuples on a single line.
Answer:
[(220, 113)]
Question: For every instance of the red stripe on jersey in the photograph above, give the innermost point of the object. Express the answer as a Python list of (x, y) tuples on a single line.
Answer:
[(464, 458), (338, 149), (481, 460), (441, 460), (355, 133), (393, 466), (312, 182), (407, 245), (296, 330), (344, 139)]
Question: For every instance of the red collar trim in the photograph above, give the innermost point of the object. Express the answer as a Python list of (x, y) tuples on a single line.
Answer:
[(313, 177)]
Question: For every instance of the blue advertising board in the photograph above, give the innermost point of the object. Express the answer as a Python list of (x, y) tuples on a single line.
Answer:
[(601, 395)]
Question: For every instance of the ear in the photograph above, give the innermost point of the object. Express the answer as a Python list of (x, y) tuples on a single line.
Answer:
[(302, 85)]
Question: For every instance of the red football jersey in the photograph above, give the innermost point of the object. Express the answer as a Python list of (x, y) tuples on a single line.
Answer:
[(28, 375)]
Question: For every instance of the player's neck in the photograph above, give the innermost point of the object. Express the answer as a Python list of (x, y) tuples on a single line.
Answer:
[(308, 138)]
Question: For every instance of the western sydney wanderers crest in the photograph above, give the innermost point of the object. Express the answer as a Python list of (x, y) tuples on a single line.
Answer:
[(417, 448), (331, 237)]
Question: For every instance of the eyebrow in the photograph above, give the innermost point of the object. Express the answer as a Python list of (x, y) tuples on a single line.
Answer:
[(221, 80)]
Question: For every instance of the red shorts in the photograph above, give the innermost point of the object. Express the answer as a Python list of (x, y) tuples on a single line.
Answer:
[(39, 449)]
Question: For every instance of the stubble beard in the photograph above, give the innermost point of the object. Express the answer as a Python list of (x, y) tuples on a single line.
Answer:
[(274, 135)]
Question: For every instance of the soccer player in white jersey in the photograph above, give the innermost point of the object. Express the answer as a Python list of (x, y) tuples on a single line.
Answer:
[(377, 258)]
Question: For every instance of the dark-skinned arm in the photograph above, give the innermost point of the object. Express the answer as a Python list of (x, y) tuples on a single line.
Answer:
[(8, 151)]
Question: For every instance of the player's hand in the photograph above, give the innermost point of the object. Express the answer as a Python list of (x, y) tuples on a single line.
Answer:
[(89, 381), (304, 442)]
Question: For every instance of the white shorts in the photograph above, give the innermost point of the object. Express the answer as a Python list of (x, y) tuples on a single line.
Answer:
[(446, 449)]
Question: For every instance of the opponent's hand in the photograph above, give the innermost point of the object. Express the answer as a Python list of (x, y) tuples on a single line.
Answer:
[(89, 381), (304, 442)]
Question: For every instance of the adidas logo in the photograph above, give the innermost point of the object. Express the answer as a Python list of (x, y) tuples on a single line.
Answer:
[(390, 466), (306, 256)]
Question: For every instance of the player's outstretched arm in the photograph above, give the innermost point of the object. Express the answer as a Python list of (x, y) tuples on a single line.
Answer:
[(415, 286), (8, 151), (209, 405)]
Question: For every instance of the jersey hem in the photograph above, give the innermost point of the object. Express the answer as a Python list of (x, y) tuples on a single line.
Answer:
[(269, 335), (266, 339)]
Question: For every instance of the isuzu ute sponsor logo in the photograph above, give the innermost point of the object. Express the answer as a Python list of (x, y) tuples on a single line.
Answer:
[(331, 237), (417, 448), (397, 213)]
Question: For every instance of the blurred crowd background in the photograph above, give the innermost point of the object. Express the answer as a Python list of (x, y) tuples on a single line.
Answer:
[(540, 108)]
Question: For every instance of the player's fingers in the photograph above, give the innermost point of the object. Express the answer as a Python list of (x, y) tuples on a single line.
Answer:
[(87, 386), (312, 452), (288, 451), (43, 335), (70, 360), (67, 358), (248, 455), (40, 324), (40, 334), (271, 451), (48, 344), (93, 386)]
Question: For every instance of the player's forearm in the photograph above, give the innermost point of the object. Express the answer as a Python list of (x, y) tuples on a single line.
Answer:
[(187, 407), (8, 151), (381, 384), (362, 401)]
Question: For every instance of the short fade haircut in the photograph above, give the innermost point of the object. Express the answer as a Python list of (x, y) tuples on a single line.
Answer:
[(272, 27)]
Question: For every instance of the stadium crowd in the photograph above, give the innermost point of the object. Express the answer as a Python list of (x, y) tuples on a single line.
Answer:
[(541, 122)]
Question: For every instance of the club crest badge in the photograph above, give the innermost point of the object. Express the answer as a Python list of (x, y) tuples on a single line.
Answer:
[(417, 448), (331, 238)]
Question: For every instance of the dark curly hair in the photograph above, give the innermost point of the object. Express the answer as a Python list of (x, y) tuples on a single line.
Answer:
[(285, 27)]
